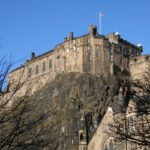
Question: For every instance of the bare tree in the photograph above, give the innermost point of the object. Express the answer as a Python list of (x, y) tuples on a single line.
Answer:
[(22, 126), (133, 125)]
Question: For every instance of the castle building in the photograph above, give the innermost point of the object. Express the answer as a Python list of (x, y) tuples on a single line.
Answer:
[(94, 54), (91, 53), (129, 121), (126, 111), (139, 65)]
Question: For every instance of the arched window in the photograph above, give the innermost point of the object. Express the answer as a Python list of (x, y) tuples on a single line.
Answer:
[(81, 136), (37, 69), (110, 145)]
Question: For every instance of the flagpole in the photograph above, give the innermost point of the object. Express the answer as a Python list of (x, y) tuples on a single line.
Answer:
[(100, 23)]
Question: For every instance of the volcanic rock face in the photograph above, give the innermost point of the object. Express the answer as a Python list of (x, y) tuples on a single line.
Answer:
[(66, 99)]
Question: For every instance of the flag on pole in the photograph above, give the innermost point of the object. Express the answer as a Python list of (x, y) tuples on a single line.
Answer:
[(101, 14)]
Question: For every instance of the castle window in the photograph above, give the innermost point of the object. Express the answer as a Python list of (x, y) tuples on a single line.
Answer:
[(135, 59), (89, 47), (29, 72), (74, 47), (67, 50), (97, 47), (81, 137), (50, 64), (74, 41), (37, 69), (97, 53), (58, 57), (44, 66)]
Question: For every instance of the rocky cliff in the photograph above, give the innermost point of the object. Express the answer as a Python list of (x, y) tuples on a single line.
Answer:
[(66, 99)]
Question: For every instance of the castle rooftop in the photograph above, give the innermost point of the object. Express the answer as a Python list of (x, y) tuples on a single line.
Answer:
[(114, 38), (96, 35)]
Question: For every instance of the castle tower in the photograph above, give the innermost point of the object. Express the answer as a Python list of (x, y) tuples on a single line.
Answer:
[(82, 135)]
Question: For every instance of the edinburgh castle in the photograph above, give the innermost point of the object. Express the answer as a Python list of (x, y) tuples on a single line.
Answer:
[(82, 88), (91, 53)]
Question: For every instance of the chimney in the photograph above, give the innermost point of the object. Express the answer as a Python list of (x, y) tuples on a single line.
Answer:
[(140, 47), (71, 36), (65, 39), (33, 55), (92, 30)]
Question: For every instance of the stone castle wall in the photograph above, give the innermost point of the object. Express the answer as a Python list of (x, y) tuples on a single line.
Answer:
[(139, 66), (90, 53)]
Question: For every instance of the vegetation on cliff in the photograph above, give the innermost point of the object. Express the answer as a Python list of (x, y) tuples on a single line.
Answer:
[(66, 99)]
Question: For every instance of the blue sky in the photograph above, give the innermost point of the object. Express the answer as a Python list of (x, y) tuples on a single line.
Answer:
[(39, 25)]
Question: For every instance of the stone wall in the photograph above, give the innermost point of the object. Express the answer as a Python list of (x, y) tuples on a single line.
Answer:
[(90, 53), (101, 135), (139, 66)]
